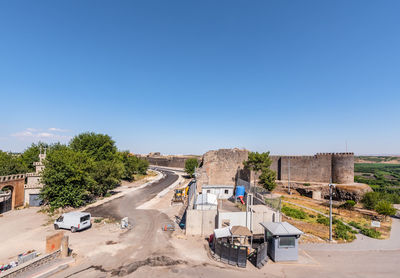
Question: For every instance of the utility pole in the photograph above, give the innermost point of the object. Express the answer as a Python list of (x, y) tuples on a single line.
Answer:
[(331, 186), (289, 175)]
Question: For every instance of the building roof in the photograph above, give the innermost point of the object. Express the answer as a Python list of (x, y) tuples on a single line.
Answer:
[(281, 228), (76, 213), (234, 231), (207, 199), (223, 232), (240, 231), (217, 186)]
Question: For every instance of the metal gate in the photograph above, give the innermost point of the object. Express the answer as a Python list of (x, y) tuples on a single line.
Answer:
[(231, 254), (262, 255), (35, 200), (5, 203)]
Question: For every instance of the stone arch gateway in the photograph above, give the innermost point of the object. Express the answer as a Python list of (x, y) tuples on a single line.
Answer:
[(16, 184)]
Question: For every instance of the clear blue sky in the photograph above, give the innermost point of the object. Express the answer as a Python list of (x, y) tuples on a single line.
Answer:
[(292, 77)]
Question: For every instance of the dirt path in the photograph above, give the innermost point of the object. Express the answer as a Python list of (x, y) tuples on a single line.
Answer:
[(144, 244)]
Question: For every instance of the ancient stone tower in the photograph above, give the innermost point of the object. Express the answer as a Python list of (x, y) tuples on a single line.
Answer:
[(343, 167)]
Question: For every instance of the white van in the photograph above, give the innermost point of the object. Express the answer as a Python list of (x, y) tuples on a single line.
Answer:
[(74, 221)]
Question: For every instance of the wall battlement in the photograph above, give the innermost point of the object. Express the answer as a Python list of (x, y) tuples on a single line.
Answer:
[(321, 167), (225, 165)]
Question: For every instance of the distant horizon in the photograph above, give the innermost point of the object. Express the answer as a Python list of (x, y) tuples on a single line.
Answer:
[(200, 154)]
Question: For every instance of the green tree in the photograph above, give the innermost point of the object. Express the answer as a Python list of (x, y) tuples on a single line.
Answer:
[(96, 145), (261, 162), (258, 161), (11, 164), (385, 208), (132, 165), (107, 175), (370, 200), (267, 179), (67, 177), (190, 166), (31, 154)]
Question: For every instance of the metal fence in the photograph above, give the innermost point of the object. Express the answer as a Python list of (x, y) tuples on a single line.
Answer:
[(192, 192), (231, 254), (263, 196)]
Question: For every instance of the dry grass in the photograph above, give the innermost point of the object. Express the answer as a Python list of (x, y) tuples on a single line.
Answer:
[(362, 216)]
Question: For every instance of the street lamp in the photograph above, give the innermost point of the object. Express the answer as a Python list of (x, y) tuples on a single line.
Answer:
[(331, 186), (289, 176)]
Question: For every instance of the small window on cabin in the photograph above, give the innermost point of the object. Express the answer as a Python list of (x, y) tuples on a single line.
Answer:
[(85, 218), (287, 242), (208, 191), (226, 191)]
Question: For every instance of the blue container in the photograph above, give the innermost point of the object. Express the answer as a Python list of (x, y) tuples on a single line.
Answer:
[(240, 190)]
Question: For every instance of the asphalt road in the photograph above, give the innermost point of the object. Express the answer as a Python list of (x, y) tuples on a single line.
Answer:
[(120, 207), (145, 243)]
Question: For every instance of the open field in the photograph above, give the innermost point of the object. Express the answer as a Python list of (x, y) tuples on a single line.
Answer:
[(377, 159), (381, 177)]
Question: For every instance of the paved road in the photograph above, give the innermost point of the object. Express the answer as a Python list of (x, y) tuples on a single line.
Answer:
[(144, 245), (119, 207)]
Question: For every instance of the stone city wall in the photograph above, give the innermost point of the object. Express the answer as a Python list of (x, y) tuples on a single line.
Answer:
[(168, 161), (317, 168), (225, 166)]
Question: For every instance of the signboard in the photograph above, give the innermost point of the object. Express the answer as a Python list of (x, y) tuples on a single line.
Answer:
[(375, 224)]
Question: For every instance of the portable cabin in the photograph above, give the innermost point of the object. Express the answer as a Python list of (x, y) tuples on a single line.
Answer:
[(282, 240)]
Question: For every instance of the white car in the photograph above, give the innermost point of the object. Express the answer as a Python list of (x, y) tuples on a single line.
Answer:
[(74, 221)]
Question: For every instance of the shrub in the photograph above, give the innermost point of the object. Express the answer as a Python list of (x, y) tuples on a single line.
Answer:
[(365, 231), (343, 231), (385, 208), (323, 220), (370, 233), (349, 204), (295, 213), (190, 166), (370, 200), (355, 225)]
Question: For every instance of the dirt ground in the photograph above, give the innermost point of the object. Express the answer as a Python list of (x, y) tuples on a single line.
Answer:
[(26, 229)]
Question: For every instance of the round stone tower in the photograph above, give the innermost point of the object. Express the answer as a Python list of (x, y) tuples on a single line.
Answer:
[(343, 167)]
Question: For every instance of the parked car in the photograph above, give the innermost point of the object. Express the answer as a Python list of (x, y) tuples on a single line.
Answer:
[(74, 221)]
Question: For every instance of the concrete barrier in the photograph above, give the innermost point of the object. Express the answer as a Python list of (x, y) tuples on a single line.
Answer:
[(41, 260)]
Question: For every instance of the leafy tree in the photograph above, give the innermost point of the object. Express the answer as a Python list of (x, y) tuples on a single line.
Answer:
[(260, 162), (370, 200), (96, 145), (11, 164), (31, 154), (67, 178), (267, 179), (132, 165), (142, 166), (385, 208), (107, 175), (190, 166)]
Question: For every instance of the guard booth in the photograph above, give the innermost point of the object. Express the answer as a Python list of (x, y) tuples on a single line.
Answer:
[(282, 241)]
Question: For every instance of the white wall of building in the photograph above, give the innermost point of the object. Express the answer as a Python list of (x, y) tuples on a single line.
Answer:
[(222, 192)]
